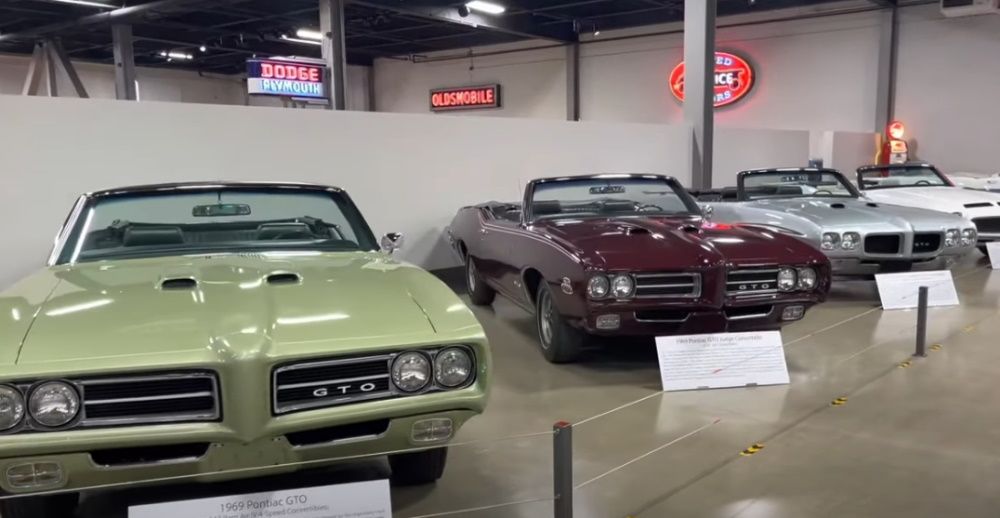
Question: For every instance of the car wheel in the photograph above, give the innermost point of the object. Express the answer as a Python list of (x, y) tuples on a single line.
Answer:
[(54, 506), (411, 469), (479, 292), (561, 342)]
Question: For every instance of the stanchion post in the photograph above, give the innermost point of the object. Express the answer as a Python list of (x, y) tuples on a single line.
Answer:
[(922, 322), (562, 468)]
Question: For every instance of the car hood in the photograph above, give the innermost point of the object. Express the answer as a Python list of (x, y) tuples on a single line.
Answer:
[(860, 214), (122, 308), (661, 244), (945, 199)]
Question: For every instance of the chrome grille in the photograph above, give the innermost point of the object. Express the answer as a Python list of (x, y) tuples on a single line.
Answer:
[(327, 383), (154, 398), (664, 285), (754, 281), (926, 243)]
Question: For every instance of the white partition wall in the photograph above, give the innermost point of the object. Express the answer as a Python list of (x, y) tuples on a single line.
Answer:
[(409, 173), (738, 149)]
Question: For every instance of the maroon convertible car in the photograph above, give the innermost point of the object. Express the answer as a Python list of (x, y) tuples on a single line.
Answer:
[(631, 255)]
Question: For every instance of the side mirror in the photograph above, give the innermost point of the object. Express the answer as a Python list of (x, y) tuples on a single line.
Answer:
[(391, 242), (707, 211)]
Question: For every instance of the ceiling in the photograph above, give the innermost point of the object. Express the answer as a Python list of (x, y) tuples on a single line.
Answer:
[(233, 30)]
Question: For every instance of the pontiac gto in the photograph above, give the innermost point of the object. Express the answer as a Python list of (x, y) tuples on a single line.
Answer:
[(923, 186), (631, 255), (219, 331), (858, 235)]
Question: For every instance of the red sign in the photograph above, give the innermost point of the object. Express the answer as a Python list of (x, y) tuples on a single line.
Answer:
[(733, 79), (465, 98)]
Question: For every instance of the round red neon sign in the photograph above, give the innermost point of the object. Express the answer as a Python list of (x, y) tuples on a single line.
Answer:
[(733, 79)]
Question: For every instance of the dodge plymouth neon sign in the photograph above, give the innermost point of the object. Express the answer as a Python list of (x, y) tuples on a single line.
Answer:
[(734, 78), (465, 98), (285, 78)]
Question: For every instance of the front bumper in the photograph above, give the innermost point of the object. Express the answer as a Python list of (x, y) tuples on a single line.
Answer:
[(228, 456), (869, 266)]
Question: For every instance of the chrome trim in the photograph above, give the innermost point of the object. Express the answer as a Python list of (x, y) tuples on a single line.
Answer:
[(149, 398), (748, 317), (346, 440), (752, 271), (328, 382), (164, 462), (660, 320), (694, 282)]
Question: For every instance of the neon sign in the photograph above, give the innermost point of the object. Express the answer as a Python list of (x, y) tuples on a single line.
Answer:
[(285, 78), (734, 78), (465, 98)]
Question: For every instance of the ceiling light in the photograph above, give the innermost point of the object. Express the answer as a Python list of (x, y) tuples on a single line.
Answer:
[(203, 48), (175, 55), (300, 40), (309, 34), (486, 7), (87, 3)]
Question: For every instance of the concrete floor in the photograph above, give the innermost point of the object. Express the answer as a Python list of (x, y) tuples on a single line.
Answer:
[(920, 441)]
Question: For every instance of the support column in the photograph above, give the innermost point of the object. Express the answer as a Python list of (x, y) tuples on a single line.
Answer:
[(124, 62), (33, 80), (699, 86), (59, 52), (50, 70), (885, 96), (372, 106), (331, 22), (573, 81)]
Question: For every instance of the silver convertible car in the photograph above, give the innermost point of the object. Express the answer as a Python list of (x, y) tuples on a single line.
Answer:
[(858, 235)]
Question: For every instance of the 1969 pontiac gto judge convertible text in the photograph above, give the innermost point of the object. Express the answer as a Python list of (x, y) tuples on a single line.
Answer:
[(225, 331), (631, 255)]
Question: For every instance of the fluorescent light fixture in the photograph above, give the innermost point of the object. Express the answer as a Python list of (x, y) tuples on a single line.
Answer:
[(173, 54), (309, 34), (486, 7), (87, 3), (203, 48), (300, 40)]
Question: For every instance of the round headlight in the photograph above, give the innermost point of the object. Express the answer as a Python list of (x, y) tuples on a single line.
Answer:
[(622, 286), (969, 237), (411, 371), (598, 287), (453, 367), (830, 241), (850, 240), (53, 403), (11, 407), (787, 279), (807, 278), (951, 237)]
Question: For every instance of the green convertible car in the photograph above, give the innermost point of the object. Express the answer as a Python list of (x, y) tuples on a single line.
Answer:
[(217, 331)]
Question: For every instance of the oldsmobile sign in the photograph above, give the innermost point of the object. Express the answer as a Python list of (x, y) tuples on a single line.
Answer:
[(734, 77), (286, 78)]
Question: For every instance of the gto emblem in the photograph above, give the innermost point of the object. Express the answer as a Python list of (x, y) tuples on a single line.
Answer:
[(923, 244), (343, 389), (749, 287)]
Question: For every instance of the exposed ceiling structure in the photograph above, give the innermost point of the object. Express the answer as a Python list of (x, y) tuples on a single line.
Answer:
[(218, 35)]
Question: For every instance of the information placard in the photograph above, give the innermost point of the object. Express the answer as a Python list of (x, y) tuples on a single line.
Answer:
[(993, 250), (721, 360), (900, 290), (357, 500)]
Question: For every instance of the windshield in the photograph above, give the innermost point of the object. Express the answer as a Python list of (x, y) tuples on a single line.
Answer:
[(795, 184), (906, 176), (625, 196), (223, 220)]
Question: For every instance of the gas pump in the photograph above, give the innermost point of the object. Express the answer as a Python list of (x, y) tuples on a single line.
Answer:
[(894, 148)]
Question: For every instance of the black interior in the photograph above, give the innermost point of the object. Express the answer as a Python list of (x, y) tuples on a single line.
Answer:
[(129, 234)]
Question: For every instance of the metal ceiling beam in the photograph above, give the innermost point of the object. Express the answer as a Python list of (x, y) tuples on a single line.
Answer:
[(121, 15), (509, 24)]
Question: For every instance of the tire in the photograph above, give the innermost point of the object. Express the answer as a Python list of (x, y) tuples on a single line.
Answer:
[(479, 292), (560, 342), (413, 469), (55, 506)]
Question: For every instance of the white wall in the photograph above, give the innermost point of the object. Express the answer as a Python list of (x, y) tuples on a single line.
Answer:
[(814, 74), (408, 173), (163, 84), (949, 69), (739, 149)]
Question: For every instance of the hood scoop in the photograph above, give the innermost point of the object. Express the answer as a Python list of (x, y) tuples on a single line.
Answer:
[(838, 206), (635, 231), (872, 204), (978, 205), (180, 283), (277, 279)]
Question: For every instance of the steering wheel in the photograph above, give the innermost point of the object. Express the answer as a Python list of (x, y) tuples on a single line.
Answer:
[(922, 182), (821, 192)]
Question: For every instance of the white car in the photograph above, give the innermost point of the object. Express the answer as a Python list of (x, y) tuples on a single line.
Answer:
[(923, 186), (976, 182)]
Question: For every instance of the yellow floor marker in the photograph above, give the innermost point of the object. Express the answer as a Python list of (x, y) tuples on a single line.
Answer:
[(839, 401), (937, 347), (905, 364), (754, 448)]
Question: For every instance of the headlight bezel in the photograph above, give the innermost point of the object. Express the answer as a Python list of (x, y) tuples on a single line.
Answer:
[(811, 272), (397, 383), (830, 241), (794, 281), (854, 238), (595, 280), (952, 237), (437, 367), (969, 241), (615, 278), (19, 398), (75, 398)]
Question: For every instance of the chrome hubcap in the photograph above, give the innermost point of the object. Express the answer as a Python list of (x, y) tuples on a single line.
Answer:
[(472, 275), (545, 320)]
